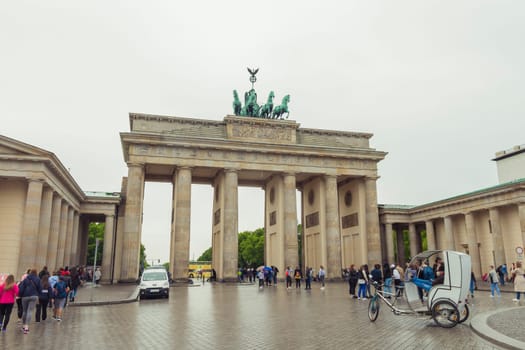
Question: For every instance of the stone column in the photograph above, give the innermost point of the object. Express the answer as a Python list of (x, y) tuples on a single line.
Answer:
[(372, 222), (132, 223), (400, 245), (497, 238), (107, 253), (521, 210), (389, 243), (449, 234), (472, 242), (69, 236), (230, 225), (291, 251), (333, 236), (45, 225), (181, 224), (413, 239), (62, 235), (431, 236), (74, 244), (52, 246), (30, 226)]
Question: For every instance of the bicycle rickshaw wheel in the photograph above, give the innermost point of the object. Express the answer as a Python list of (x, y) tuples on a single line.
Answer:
[(373, 309), (445, 314), (463, 315)]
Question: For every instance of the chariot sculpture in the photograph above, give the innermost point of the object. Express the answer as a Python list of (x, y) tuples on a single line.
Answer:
[(252, 109)]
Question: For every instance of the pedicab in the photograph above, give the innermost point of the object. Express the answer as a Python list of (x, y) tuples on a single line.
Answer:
[(446, 303)]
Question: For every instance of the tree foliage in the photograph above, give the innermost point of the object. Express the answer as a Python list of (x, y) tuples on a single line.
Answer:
[(96, 230), (206, 256), (251, 248)]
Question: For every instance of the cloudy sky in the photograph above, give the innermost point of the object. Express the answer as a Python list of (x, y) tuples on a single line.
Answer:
[(439, 84)]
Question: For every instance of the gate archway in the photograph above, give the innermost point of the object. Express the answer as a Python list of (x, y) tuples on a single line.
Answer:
[(328, 167)]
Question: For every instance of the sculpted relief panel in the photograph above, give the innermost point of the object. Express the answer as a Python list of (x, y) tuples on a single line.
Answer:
[(256, 132)]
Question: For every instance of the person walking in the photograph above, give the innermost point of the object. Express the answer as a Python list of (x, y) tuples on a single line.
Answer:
[(44, 295), (322, 274), (472, 286), (298, 276), (60, 293), (493, 277), (28, 291), (98, 276), (362, 282), (519, 280), (8, 293), (288, 274), (308, 278), (353, 276)]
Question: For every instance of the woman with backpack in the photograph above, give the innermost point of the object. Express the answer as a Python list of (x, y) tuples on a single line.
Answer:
[(28, 291), (60, 293), (44, 295)]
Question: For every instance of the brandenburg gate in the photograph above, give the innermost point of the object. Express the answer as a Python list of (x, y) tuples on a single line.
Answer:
[(334, 171)]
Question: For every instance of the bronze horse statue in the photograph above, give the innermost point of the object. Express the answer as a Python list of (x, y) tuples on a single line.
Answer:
[(266, 110), (251, 108), (278, 111), (236, 103)]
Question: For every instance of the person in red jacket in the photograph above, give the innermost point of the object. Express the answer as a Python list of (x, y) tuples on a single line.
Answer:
[(8, 293)]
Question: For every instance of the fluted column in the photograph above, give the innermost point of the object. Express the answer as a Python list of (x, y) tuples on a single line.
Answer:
[(69, 236), (472, 242), (107, 253), (52, 246), (389, 243), (431, 236), (497, 239), (62, 235), (181, 223), (230, 225), (291, 252), (30, 226), (521, 210), (132, 223), (45, 225), (449, 235), (401, 254), (333, 236), (413, 239), (74, 243), (372, 222)]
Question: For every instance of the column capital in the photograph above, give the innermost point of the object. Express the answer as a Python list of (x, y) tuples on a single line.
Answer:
[(135, 165), (230, 170), (372, 177)]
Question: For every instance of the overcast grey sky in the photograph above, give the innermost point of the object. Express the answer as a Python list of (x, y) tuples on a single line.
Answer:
[(438, 83)]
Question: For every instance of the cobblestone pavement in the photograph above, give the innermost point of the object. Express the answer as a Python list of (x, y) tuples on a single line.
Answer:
[(227, 316)]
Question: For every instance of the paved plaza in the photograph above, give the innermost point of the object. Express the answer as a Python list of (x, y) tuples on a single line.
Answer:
[(230, 316)]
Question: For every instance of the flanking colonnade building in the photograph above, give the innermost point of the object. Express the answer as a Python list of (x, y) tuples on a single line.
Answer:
[(44, 215)]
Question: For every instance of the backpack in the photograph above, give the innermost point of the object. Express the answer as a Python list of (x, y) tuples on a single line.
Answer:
[(61, 291)]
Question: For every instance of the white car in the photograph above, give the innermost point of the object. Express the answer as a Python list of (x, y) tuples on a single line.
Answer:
[(154, 282)]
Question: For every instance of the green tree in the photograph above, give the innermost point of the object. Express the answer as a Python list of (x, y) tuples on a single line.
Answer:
[(142, 257), (96, 230), (206, 256), (251, 248), (300, 243)]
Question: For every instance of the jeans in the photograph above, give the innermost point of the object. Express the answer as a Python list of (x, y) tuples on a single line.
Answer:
[(494, 286), (518, 294), (388, 285), (41, 309), (5, 313), (361, 293), (28, 304)]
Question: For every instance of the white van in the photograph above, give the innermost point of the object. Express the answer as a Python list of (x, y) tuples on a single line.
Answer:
[(154, 282)]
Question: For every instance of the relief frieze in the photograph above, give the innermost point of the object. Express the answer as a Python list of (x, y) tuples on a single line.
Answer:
[(259, 132)]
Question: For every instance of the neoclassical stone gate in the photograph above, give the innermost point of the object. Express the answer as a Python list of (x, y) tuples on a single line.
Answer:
[(335, 171)]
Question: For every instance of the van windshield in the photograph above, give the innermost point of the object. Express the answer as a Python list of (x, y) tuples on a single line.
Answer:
[(154, 276)]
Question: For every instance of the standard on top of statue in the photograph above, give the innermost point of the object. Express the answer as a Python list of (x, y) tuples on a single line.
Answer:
[(252, 109)]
